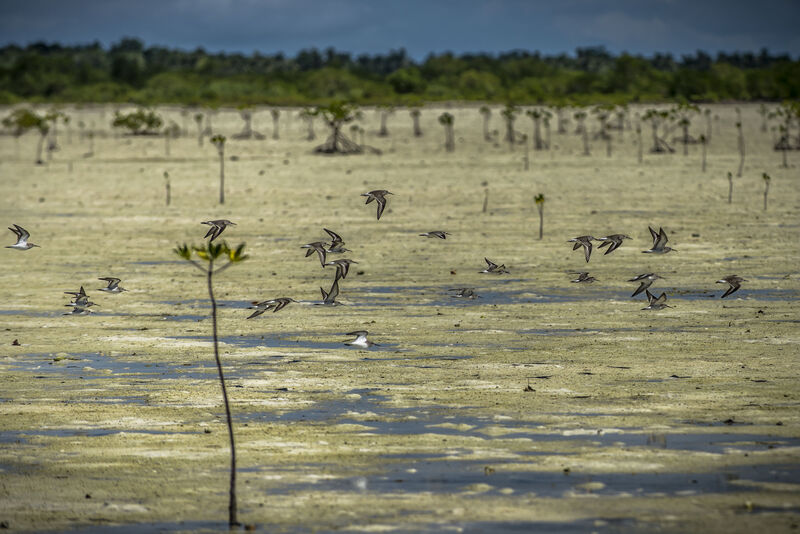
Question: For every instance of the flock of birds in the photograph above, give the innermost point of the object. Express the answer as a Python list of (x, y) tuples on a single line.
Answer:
[(81, 305), (660, 239)]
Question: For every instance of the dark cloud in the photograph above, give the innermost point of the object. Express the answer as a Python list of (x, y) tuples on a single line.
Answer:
[(677, 26)]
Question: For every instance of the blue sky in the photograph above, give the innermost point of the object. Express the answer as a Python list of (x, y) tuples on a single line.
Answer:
[(419, 26)]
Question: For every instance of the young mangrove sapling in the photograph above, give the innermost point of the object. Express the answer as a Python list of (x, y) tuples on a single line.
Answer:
[(209, 254)]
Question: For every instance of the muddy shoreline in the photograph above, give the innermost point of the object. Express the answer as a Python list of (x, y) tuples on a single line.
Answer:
[(542, 405)]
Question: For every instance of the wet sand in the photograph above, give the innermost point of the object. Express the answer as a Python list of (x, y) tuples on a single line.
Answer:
[(543, 405)]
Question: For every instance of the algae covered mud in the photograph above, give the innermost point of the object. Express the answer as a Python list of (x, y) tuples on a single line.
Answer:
[(541, 405)]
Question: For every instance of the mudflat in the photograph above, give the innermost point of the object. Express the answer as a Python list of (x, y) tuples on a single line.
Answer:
[(543, 404)]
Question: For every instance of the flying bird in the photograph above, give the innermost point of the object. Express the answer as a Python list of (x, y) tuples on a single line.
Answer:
[(113, 285), (77, 294), (360, 340), (583, 277), (80, 310), (465, 293), (22, 238), (615, 240), (659, 242), (217, 227), (379, 196), (584, 241), (735, 282), (645, 281), (337, 243), (319, 247), (342, 267), (329, 298), (435, 233), (80, 304), (493, 268), (654, 303), (266, 305)]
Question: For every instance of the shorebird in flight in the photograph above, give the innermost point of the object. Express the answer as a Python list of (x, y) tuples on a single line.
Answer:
[(436, 233), (266, 305), (465, 293), (319, 247), (659, 242), (493, 268), (80, 304), (342, 267), (734, 281), (615, 240), (217, 227), (329, 298), (113, 285), (80, 298), (337, 244), (360, 340), (80, 310), (77, 294), (22, 238), (379, 196), (583, 277), (654, 303), (584, 241), (645, 281)]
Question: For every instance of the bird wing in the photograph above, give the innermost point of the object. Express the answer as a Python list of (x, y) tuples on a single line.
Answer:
[(321, 251), (334, 292), (614, 245), (587, 250), (644, 284), (730, 290), (335, 238), (653, 234), (215, 231), (381, 205), (112, 282), (660, 300), (257, 313), (490, 263), (23, 233), (661, 240)]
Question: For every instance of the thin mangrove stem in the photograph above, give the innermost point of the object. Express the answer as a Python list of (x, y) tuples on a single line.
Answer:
[(232, 521)]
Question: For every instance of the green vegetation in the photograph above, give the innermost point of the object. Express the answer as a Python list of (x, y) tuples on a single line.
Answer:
[(21, 120), (336, 115), (130, 72), (446, 120), (210, 253), (139, 122)]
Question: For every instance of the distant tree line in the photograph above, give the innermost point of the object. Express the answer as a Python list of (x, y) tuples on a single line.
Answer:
[(130, 72)]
